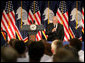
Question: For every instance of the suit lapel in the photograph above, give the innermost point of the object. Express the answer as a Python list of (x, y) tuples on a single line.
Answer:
[(57, 28), (52, 26)]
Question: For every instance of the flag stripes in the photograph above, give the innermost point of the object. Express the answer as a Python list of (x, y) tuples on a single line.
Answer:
[(37, 19), (63, 19), (43, 32), (71, 33), (9, 28), (4, 35), (83, 20)]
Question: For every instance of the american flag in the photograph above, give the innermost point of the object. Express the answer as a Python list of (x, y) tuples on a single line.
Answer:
[(83, 20), (8, 20), (62, 15), (35, 17)]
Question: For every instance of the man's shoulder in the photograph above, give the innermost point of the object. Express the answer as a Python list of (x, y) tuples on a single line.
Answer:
[(46, 58), (60, 24), (50, 24)]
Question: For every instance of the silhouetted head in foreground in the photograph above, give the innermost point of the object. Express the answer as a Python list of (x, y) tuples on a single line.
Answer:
[(47, 47), (36, 51), (8, 54), (64, 55), (76, 43), (20, 47)]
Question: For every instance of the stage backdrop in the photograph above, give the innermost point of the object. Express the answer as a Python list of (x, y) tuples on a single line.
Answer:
[(15, 14)]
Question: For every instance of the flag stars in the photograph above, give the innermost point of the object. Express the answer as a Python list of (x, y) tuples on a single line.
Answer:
[(62, 6), (34, 4), (9, 6)]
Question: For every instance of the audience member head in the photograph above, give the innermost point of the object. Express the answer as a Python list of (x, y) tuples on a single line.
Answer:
[(76, 43), (74, 51), (8, 54), (36, 51), (20, 47), (47, 47), (64, 55), (12, 42), (56, 44)]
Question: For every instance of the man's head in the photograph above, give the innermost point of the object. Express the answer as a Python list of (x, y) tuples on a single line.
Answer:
[(76, 43), (20, 47), (12, 42), (36, 51), (8, 54), (74, 51), (55, 20), (64, 55), (56, 44), (47, 47)]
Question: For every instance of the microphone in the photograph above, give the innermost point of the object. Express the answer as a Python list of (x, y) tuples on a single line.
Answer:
[(32, 22)]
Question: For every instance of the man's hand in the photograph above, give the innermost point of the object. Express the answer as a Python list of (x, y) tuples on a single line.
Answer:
[(54, 29)]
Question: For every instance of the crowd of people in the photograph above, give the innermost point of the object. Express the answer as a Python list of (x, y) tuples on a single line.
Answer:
[(42, 51)]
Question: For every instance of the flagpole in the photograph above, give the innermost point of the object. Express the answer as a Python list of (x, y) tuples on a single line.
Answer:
[(34, 7), (8, 13), (62, 11), (34, 10), (48, 12), (76, 14), (21, 13), (62, 7)]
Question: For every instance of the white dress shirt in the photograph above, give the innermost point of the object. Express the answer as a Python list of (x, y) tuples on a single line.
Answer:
[(56, 25), (43, 59), (81, 55)]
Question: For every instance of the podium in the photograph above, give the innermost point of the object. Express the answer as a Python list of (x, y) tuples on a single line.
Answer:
[(32, 30)]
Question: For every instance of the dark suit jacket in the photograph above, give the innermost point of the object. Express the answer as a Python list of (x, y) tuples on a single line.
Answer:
[(58, 34)]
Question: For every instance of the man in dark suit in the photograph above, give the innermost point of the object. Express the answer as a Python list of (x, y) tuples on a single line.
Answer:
[(55, 30)]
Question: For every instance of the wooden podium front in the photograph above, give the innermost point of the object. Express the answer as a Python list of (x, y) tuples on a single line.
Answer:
[(32, 33), (32, 37)]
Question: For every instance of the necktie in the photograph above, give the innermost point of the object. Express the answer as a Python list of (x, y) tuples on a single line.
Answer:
[(55, 26)]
